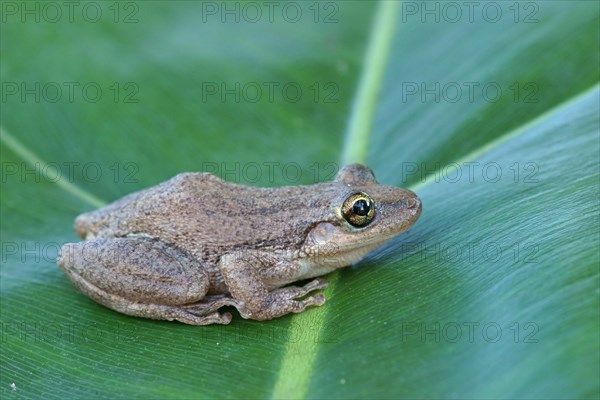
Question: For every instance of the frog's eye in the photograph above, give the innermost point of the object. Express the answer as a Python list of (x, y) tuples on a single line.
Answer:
[(358, 210)]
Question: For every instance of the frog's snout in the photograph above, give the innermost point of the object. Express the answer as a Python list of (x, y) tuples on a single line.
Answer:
[(413, 201), (409, 200), (413, 204)]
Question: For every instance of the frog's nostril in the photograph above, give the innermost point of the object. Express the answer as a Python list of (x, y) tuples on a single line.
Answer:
[(413, 203)]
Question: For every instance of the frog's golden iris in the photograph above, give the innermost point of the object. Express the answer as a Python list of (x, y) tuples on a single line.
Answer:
[(358, 210)]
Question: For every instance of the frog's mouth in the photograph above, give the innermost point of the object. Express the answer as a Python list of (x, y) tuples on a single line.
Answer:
[(330, 247), (351, 256)]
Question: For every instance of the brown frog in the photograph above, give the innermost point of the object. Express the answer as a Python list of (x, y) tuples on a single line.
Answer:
[(195, 243)]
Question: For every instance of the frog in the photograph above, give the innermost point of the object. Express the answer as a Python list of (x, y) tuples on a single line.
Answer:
[(189, 246)]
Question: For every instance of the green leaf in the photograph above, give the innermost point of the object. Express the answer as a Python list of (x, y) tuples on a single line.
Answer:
[(492, 294)]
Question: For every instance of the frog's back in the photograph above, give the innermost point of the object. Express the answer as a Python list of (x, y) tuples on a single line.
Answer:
[(203, 214)]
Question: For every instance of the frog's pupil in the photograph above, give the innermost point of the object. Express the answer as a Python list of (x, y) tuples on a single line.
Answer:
[(361, 207)]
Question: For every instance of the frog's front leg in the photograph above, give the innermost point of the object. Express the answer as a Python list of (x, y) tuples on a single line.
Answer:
[(144, 278), (248, 276)]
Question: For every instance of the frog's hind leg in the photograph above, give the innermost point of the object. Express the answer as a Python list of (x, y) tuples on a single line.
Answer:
[(186, 314), (141, 277), (210, 304)]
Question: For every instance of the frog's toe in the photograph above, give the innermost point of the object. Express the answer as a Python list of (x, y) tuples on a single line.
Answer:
[(215, 318), (315, 284), (317, 300), (301, 305)]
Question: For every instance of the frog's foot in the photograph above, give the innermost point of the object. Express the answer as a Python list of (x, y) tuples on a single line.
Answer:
[(287, 300), (205, 312), (315, 284), (188, 317), (184, 314), (295, 292)]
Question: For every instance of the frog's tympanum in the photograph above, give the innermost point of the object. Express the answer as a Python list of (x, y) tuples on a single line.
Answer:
[(195, 243)]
